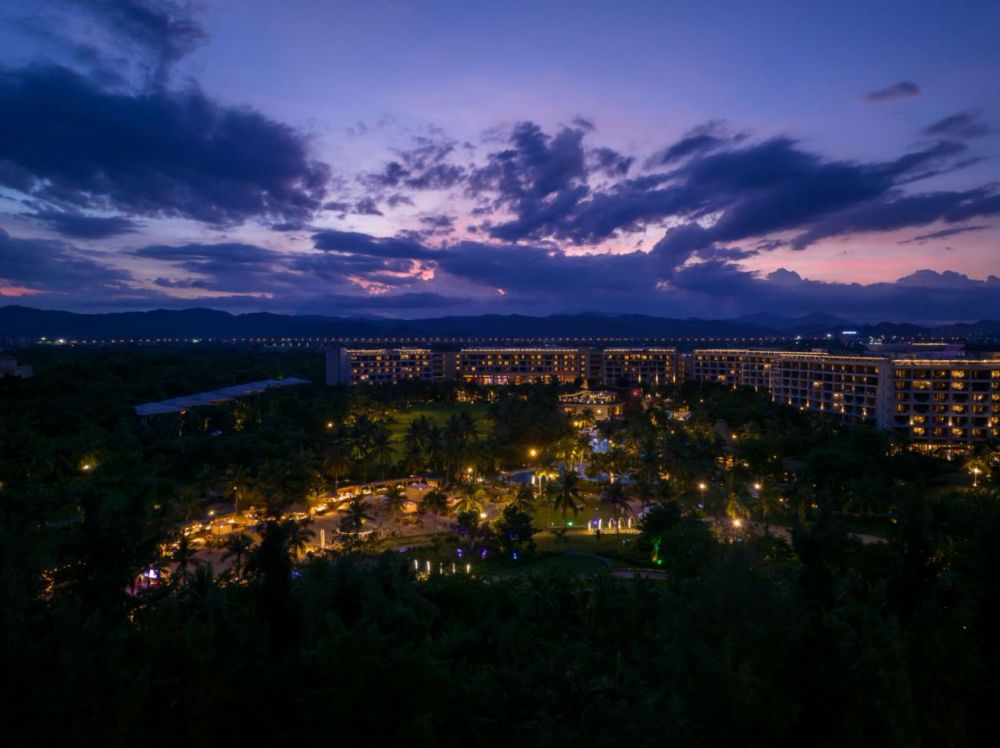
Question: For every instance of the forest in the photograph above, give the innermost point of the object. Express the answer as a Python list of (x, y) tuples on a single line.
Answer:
[(809, 582)]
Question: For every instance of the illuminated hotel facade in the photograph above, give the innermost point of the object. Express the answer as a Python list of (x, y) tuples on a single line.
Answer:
[(504, 365), (651, 366), (934, 403), (522, 365)]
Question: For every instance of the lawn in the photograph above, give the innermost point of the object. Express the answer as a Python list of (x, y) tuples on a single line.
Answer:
[(439, 413)]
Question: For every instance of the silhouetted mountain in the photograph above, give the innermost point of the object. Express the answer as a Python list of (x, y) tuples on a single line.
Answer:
[(25, 322), (809, 324)]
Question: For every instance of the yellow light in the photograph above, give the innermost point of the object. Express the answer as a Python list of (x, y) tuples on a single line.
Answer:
[(737, 522), (756, 486), (702, 486), (482, 515)]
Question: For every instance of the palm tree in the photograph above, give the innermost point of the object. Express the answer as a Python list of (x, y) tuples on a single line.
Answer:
[(238, 482), (435, 502), (238, 547), (768, 503), (565, 496), (470, 498), (613, 494), (184, 556), (189, 502), (395, 501), (336, 464), (978, 468), (524, 499), (355, 516), (416, 442), (298, 535), (381, 449)]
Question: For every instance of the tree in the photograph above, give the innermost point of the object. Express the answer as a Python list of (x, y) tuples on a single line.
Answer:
[(238, 483), (613, 495), (768, 504), (185, 557), (395, 501), (238, 547), (417, 443), (435, 502), (355, 516), (336, 464), (382, 452), (470, 498), (565, 496), (524, 499), (514, 530)]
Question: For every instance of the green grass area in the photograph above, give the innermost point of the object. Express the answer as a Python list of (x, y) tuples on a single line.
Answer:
[(592, 509), (552, 562), (439, 413), (619, 550)]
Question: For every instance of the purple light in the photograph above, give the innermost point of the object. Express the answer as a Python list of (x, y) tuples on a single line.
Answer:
[(482, 555)]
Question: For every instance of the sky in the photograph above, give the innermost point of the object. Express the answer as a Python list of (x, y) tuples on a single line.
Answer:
[(426, 158)]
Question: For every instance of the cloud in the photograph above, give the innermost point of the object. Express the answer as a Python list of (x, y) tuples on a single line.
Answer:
[(55, 268), (157, 153), (706, 137), (352, 242), (942, 234), (166, 30), (964, 125), (81, 226), (898, 211), (423, 166), (895, 92)]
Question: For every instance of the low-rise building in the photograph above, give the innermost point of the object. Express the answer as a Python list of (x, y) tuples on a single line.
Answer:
[(10, 368), (597, 404)]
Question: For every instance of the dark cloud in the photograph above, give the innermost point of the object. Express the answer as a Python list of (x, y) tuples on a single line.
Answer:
[(81, 226), (55, 268), (611, 162), (899, 211), (895, 92), (707, 137), (166, 30), (964, 125), (422, 166), (367, 207), (358, 273), (152, 154), (540, 178), (363, 244), (943, 233)]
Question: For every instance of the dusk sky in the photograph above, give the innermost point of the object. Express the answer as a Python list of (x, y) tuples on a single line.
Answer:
[(424, 158)]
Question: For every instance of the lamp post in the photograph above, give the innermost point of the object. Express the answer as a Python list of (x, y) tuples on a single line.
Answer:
[(702, 487), (975, 477)]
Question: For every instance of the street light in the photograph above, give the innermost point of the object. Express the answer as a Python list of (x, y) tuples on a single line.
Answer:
[(532, 453), (975, 476)]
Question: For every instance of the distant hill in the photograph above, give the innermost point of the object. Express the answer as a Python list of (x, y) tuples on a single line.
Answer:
[(25, 322)]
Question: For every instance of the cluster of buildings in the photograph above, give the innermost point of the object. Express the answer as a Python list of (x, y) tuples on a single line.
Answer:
[(935, 401), (504, 365), (936, 397), (10, 368)]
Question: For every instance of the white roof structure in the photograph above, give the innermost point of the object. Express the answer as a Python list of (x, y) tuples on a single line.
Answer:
[(213, 397)]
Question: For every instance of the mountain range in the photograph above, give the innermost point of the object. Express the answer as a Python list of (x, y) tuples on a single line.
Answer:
[(21, 322)]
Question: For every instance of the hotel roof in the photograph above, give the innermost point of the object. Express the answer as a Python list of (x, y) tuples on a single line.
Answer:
[(213, 397)]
